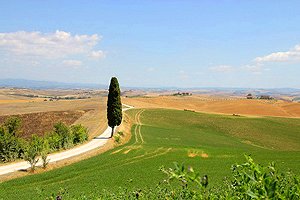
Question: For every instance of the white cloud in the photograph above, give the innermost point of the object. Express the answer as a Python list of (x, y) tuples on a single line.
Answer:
[(285, 56), (72, 63), (55, 45), (222, 68)]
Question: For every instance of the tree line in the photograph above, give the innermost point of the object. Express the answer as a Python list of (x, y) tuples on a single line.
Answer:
[(13, 146)]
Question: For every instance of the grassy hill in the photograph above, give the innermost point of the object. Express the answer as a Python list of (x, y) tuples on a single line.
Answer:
[(210, 143)]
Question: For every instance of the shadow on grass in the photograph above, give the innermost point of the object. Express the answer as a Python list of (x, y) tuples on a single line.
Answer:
[(101, 138)]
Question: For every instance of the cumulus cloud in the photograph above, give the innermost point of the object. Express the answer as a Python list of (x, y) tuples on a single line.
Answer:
[(284, 56), (55, 45), (222, 68)]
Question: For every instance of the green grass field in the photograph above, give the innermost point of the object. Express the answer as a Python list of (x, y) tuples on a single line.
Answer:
[(209, 143)]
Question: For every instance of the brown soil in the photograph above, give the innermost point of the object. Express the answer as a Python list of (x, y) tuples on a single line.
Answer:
[(95, 119), (43, 122)]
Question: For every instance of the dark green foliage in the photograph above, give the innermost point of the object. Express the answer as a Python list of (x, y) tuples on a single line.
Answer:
[(80, 133), (10, 144), (13, 125), (33, 150), (114, 105), (253, 181), (13, 147), (45, 151), (65, 137), (118, 137), (65, 134), (54, 140)]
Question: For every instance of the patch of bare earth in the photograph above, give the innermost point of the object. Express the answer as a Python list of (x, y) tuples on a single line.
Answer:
[(43, 122)]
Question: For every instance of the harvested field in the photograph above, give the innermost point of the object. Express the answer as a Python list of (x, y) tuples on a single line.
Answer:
[(95, 119), (230, 106), (43, 122)]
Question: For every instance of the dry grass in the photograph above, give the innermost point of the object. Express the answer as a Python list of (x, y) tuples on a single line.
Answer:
[(194, 153), (230, 106), (94, 119)]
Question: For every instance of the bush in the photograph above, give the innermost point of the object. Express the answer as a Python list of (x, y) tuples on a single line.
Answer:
[(65, 137), (13, 125), (54, 140), (251, 180), (33, 150), (10, 145), (44, 152), (80, 133), (65, 133), (120, 133), (117, 138)]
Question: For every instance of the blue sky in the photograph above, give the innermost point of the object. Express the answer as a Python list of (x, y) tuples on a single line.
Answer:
[(153, 43)]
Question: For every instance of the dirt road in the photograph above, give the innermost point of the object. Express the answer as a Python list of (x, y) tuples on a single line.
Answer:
[(97, 142)]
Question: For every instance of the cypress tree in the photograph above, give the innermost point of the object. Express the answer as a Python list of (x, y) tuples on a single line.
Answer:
[(114, 105)]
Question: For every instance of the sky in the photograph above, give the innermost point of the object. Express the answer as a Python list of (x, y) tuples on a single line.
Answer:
[(153, 43)]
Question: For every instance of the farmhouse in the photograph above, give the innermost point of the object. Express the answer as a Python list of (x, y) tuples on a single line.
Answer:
[(182, 94), (267, 97), (249, 96)]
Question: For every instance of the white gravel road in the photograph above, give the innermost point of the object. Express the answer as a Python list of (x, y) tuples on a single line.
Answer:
[(93, 144)]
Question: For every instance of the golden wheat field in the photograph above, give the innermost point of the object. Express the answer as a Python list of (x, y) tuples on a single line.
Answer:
[(253, 107), (36, 112)]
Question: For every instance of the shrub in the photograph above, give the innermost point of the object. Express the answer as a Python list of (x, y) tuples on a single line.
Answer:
[(10, 145), (117, 138), (33, 150), (44, 152), (65, 133), (13, 147), (65, 137), (251, 180), (120, 133), (80, 133), (54, 140), (13, 125)]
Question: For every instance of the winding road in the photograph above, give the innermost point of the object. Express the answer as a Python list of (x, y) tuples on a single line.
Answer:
[(97, 142)]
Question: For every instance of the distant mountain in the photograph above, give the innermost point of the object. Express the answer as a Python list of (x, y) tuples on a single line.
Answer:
[(32, 84)]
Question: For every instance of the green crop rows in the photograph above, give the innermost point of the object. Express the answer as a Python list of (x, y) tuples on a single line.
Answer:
[(209, 143)]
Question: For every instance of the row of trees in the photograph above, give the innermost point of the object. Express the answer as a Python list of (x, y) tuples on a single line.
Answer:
[(13, 147)]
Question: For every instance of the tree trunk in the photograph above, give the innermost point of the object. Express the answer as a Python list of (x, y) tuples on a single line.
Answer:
[(112, 131)]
